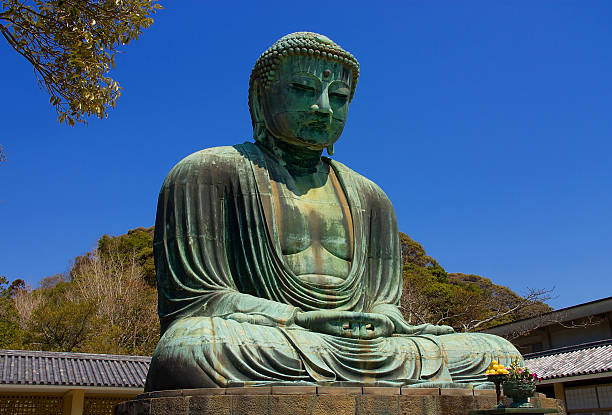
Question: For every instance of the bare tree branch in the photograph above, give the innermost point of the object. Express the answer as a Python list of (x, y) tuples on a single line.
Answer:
[(533, 295), (552, 318)]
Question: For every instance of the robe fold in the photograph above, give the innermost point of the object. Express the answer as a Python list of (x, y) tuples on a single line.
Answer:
[(227, 300)]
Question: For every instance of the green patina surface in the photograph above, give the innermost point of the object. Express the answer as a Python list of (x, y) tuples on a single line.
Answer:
[(525, 411), (278, 265)]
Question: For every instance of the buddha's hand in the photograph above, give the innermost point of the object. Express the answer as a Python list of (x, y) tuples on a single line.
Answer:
[(346, 323), (405, 328)]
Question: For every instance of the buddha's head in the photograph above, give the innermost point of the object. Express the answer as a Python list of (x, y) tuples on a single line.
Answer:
[(300, 90)]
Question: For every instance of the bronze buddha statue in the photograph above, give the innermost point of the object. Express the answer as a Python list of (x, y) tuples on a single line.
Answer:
[(276, 264)]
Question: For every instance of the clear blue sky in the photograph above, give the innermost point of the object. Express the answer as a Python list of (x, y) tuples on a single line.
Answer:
[(487, 123)]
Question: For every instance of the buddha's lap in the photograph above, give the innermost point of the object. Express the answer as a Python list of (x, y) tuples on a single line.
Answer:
[(214, 336), (200, 352)]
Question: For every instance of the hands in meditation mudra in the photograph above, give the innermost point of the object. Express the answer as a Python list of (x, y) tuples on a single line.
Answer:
[(277, 265)]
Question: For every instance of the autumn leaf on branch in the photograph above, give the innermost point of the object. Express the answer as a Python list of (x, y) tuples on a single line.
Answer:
[(72, 45)]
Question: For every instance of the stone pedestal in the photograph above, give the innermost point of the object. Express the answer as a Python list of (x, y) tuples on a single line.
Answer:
[(316, 400), (524, 411)]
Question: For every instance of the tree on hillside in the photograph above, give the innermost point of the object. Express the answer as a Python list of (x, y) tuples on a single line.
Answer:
[(423, 282), (125, 304), (104, 304), (72, 45), (465, 302), (485, 304), (136, 243), (51, 281), (60, 322), (10, 333)]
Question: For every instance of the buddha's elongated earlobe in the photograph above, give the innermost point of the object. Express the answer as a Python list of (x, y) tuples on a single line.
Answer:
[(259, 133), (330, 149), (259, 124)]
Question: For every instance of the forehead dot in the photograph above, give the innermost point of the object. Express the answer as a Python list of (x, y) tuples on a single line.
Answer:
[(326, 73)]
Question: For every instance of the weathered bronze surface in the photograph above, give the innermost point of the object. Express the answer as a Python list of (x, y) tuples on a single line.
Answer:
[(524, 411), (335, 401), (276, 265)]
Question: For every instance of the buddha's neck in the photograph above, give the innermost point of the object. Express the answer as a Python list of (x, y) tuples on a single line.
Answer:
[(297, 159)]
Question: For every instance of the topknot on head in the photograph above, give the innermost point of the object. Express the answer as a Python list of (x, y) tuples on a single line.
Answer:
[(300, 43), (308, 36)]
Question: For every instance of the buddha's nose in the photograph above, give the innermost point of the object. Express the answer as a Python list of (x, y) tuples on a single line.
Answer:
[(322, 106)]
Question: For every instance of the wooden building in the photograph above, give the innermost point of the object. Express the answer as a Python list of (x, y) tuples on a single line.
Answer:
[(58, 383), (571, 349)]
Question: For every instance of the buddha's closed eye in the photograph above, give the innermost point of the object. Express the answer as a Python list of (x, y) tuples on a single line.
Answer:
[(301, 87)]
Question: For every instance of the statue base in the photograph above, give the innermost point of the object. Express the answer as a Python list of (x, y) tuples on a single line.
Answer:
[(525, 411), (321, 400)]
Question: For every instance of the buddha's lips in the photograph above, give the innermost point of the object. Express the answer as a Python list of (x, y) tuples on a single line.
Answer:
[(320, 125)]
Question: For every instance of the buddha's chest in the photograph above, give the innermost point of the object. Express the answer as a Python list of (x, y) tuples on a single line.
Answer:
[(303, 223), (314, 226)]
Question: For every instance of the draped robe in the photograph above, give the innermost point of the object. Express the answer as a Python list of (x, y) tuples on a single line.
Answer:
[(227, 300)]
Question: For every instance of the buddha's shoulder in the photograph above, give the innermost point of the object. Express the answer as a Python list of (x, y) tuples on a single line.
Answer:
[(363, 184), (213, 165), (215, 155), (221, 160)]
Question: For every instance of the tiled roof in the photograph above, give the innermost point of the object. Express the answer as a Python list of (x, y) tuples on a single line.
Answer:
[(585, 359), (24, 367)]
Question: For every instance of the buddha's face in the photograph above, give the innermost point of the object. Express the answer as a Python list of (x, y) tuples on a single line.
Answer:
[(307, 103)]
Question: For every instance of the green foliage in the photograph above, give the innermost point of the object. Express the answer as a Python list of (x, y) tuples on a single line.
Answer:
[(60, 323), (72, 46), (10, 334), (104, 305), (133, 330), (119, 277), (137, 242), (465, 302), (413, 253)]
